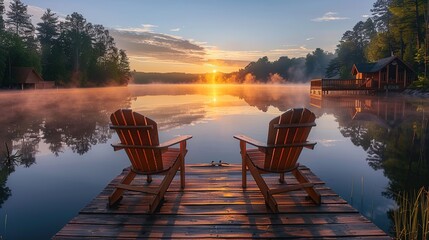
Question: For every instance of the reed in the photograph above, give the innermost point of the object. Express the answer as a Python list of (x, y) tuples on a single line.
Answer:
[(411, 219)]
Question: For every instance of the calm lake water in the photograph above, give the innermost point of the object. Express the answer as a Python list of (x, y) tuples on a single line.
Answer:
[(369, 147)]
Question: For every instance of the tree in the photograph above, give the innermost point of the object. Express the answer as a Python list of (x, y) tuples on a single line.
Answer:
[(47, 34), (351, 49), (1, 15), (18, 21), (48, 28), (317, 62), (124, 68), (381, 15)]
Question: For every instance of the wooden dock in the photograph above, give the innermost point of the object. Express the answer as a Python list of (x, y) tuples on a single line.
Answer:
[(213, 205)]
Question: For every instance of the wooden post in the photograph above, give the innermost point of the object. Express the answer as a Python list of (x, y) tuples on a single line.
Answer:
[(405, 77), (387, 78), (397, 72), (379, 80)]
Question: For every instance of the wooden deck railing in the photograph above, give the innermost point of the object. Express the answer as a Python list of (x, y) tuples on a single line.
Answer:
[(326, 85)]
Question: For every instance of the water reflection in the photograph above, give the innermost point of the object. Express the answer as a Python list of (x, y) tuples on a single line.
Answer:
[(76, 119), (394, 133), (390, 132)]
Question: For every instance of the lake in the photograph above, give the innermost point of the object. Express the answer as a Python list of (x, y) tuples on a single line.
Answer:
[(369, 147)]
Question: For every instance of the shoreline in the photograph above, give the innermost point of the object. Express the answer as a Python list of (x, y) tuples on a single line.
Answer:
[(416, 93)]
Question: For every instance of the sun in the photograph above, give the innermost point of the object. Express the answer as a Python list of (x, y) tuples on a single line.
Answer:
[(214, 71)]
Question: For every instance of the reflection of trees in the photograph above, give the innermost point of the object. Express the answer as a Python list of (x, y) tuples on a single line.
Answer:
[(395, 139), (259, 96), (77, 119)]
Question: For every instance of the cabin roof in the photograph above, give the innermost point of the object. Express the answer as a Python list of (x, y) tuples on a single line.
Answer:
[(26, 75), (375, 66)]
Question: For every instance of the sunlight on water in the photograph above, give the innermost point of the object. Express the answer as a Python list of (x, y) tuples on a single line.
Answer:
[(369, 147)]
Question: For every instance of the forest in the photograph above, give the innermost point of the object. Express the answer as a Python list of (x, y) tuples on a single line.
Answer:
[(76, 53), (396, 27), (73, 52)]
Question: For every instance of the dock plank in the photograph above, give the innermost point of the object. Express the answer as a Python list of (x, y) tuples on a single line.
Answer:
[(213, 205)]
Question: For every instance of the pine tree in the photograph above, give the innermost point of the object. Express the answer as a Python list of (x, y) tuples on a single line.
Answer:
[(124, 67), (47, 34), (381, 15), (1, 15), (18, 20), (48, 28)]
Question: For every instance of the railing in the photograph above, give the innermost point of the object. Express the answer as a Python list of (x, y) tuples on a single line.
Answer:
[(324, 86), (343, 84)]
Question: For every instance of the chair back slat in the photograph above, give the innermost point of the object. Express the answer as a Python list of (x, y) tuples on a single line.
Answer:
[(300, 121), (143, 160)]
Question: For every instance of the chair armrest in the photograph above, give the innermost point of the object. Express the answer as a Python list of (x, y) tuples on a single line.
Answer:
[(175, 141), (305, 144), (250, 141), (163, 145), (259, 144)]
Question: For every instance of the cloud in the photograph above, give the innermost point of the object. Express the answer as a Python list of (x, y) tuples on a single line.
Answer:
[(328, 142), (145, 28), (366, 16), (293, 51), (140, 42), (310, 38), (228, 62), (329, 16), (175, 29)]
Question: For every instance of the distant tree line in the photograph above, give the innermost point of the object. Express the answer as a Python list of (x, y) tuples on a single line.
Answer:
[(283, 70), (73, 52), (397, 27)]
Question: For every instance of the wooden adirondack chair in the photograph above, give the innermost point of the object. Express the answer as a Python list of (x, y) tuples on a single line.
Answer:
[(139, 138), (287, 135)]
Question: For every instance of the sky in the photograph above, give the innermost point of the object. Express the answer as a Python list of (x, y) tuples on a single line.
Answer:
[(199, 36)]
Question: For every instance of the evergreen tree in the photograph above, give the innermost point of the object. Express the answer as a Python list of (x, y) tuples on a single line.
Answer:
[(351, 49), (47, 34), (18, 20), (48, 28), (381, 15), (124, 68), (1, 15)]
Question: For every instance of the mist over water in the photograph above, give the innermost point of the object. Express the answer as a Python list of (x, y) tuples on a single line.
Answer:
[(66, 158)]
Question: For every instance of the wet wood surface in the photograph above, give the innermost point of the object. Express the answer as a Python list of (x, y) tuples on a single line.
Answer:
[(213, 205)]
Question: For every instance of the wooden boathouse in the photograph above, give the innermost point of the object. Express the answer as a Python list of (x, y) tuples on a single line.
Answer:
[(214, 205), (28, 78), (387, 74)]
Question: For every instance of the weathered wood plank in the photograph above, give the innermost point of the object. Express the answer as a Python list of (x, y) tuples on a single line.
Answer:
[(185, 220), (214, 205), (223, 231)]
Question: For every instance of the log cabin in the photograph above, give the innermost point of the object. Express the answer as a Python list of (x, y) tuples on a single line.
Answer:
[(389, 73)]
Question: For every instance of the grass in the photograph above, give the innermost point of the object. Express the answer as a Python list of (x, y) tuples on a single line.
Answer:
[(10, 159), (411, 219)]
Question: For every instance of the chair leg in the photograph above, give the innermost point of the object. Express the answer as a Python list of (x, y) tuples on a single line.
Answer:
[(243, 164), (263, 187), (182, 172), (314, 195), (282, 178), (117, 193), (156, 200), (183, 152)]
